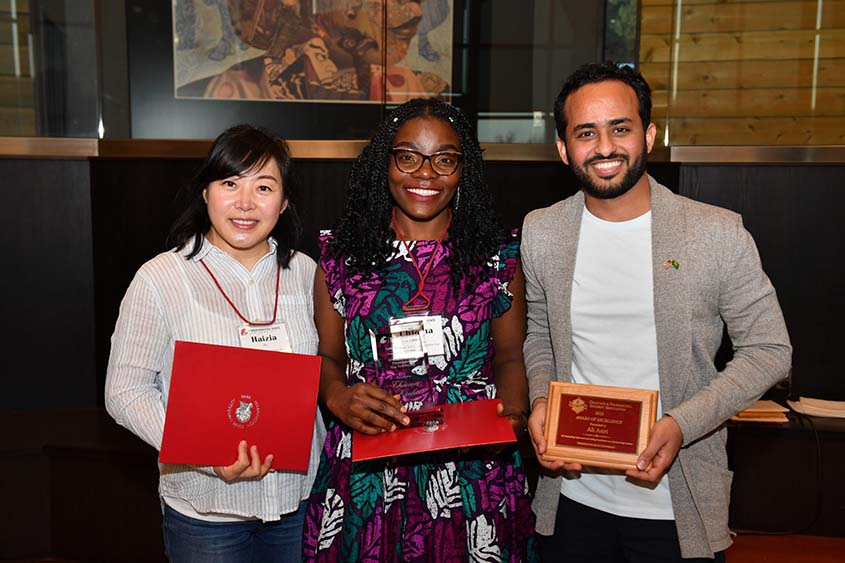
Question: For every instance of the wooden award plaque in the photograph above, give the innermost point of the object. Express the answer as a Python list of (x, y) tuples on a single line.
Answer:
[(598, 426)]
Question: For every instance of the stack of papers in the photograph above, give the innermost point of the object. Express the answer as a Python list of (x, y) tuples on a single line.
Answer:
[(763, 411), (818, 407)]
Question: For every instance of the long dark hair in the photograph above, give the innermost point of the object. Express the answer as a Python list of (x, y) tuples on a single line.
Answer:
[(364, 238), (237, 150)]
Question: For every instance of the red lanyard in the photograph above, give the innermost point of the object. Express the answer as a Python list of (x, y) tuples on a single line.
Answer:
[(229, 301), (425, 304)]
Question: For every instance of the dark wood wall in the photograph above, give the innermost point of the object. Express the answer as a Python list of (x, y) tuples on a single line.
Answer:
[(47, 361), (797, 216), (47, 285)]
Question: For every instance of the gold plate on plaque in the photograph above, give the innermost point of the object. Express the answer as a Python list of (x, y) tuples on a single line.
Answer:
[(597, 425)]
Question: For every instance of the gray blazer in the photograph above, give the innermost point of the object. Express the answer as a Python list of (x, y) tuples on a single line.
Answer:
[(719, 278)]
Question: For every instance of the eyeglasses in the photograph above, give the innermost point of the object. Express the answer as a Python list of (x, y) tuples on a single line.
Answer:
[(443, 163)]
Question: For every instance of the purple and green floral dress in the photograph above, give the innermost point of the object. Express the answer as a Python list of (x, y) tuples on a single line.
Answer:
[(446, 506)]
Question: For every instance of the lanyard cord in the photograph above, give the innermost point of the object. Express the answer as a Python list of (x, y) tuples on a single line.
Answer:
[(229, 301), (426, 301)]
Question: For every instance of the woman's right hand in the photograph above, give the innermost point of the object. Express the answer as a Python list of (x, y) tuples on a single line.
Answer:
[(246, 466), (363, 407), (367, 408)]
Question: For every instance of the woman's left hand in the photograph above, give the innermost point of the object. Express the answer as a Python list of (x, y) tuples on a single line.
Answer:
[(517, 419)]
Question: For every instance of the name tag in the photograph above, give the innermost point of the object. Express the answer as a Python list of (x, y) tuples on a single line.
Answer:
[(406, 340), (420, 335), (273, 337)]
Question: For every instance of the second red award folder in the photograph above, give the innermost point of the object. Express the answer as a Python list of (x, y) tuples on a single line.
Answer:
[(474, 423), (220, 395)]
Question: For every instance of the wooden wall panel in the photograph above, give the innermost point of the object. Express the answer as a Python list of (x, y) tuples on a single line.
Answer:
[(6, 29), (645, 3), (755, 72), (745, 16), (774, 102), (16, 121), (16, 89), (17, 104), (20, 6), (746, 74), (757, 130), (7, 59), (757, 45)]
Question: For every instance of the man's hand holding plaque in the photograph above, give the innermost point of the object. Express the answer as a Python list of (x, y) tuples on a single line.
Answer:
[(537, 431), (599, 426)]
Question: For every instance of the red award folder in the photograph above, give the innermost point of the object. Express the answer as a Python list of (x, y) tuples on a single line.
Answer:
[(220, 395), (474, 423)]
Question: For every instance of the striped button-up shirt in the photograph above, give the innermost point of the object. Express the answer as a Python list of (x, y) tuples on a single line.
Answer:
[(171, 299)]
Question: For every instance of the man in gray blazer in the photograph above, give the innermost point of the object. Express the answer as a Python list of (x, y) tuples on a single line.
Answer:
[(630, 285)]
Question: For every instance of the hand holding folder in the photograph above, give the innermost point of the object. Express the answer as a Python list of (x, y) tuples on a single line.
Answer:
[(365, 407), (474, 423), (247, 464), (222, 395)]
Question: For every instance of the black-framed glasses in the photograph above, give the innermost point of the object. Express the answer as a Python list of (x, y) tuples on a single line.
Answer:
[(443, 163)]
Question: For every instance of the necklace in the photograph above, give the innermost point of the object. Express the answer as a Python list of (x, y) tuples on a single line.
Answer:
[(419, 301), (231, 304)]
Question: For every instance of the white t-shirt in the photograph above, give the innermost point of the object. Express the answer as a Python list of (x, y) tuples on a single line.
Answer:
[(614, 342)]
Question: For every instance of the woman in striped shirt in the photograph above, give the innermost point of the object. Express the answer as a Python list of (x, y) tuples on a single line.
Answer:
[(233, 264)]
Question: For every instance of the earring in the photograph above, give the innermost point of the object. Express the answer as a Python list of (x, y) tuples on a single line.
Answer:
[(457, 199)]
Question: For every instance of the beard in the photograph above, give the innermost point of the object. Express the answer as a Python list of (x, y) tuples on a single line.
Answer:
[(632, 175)]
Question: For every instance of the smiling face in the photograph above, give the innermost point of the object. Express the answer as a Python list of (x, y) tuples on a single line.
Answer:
[(243, 211), (606, 145), (422, 197)]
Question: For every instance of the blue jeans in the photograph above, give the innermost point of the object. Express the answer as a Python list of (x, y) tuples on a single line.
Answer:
[(188, 540)]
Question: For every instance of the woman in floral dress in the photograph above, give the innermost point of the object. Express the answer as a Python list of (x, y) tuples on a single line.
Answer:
[(420, 237)]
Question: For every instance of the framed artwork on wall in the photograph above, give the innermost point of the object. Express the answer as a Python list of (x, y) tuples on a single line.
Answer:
[(196, 67), (349, 51)]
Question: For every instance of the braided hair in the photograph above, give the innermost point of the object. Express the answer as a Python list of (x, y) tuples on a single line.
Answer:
[(364, 238)]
